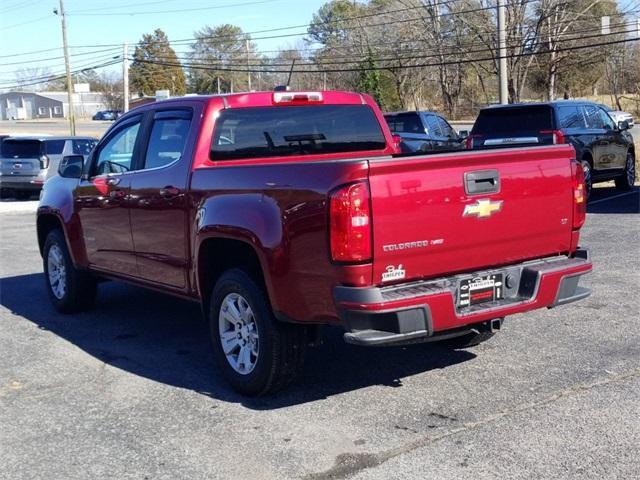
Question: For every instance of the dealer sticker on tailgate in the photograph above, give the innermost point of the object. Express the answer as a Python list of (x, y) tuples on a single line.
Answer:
[(487, 288)]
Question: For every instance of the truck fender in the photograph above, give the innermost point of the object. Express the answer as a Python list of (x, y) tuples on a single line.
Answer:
[(251, 218)]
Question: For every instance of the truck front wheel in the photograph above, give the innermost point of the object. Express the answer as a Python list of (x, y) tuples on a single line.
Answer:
[(256, 353), (70, 290)]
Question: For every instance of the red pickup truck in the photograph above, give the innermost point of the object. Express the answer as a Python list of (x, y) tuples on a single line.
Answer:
[(283, 211)]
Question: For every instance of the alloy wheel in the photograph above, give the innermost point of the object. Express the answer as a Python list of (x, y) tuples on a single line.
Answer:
[(631, 170), (238, 333), (57, 272)]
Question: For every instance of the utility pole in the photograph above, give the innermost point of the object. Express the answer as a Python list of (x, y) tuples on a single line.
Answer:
[(248, 68), (502, 53), (125, 76), (71, 112)]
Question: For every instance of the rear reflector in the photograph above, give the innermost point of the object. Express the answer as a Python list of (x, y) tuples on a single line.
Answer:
[(579, 196), (297, 97), (350, 223)]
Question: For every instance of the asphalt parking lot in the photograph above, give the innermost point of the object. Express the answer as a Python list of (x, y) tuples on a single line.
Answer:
[(129, 390)]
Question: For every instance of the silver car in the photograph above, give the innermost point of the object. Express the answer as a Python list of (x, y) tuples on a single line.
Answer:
[(27, 162), (619, 115)]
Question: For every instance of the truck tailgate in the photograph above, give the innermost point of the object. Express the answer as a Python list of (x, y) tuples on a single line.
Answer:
[(435, 215)]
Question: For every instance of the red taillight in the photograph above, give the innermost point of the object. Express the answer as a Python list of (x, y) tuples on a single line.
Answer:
[(397, 143), (350, 223), (558, 136), (579, 196), (44, 162), (469, 141)]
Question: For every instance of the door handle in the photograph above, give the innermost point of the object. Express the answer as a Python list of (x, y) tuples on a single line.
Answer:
[(113, 181), (169, 191), (482, 181)]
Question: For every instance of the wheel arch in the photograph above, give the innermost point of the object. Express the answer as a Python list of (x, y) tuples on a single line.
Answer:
[(217, 254)]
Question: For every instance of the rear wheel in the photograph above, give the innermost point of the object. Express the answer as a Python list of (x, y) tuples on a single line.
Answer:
[(588, 181), (70, 290), (256, 353), (628, 179)]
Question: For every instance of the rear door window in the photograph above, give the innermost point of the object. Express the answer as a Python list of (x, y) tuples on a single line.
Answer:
[(54, 147), (404, 123), (433, 126), (83, 146), (571, 117), (296, 130), (21, 148), (593, 117), (168, 138), (513, 121), (445, 128)]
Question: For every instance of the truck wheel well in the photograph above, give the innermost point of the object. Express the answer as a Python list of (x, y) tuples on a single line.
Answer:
[(45, 224), (587, 157), (216, 255)]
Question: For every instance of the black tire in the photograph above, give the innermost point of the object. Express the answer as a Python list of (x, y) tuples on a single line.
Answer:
[(22, 194), (281, 346), (80, 287), (467, 341), (628, 179), (588, 180)]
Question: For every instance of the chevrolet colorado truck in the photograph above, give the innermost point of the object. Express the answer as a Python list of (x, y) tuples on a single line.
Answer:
[(283, 211)]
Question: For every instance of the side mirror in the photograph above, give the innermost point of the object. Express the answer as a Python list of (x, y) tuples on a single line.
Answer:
[(623, 125), (71, 166), (463, 134)]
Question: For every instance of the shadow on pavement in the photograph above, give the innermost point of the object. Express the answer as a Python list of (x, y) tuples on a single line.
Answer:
[(612, 200), (164, 339)]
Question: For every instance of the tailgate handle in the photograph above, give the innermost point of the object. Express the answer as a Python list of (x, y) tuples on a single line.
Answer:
[(482, 181)]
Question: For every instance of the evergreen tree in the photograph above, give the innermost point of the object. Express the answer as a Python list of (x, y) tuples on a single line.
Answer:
[(146, 77)]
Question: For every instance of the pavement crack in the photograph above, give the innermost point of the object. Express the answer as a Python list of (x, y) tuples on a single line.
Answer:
[(348, 464)]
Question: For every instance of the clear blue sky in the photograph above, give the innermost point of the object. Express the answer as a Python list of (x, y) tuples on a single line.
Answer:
[(29, 25)]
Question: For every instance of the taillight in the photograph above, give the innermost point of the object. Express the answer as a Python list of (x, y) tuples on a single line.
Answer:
[(579, 196), (557, 135), (469, 141), (44, 162), (397, 143), (350, 223)]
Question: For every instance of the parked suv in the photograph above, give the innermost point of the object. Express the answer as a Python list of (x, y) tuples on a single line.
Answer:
[(423, 132), (605, 149), (27, 162)]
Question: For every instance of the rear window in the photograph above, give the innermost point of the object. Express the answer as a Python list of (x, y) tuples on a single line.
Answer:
[(404, 123), (513, 121), (54, 147), (295, 130), (570, 117), (21, 148)]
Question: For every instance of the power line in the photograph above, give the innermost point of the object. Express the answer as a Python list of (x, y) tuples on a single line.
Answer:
[(366, 68), (156, 12)]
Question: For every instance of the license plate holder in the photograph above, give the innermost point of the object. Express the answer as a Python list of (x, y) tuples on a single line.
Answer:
[(480, 289)]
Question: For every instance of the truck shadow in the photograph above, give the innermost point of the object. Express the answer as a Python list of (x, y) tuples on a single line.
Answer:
[(612, 200), (164, 339)]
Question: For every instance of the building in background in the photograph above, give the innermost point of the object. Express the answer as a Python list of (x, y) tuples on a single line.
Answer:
[(40, 105)]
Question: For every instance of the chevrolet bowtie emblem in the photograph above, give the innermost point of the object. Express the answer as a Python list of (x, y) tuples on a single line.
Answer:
[(482, 208)]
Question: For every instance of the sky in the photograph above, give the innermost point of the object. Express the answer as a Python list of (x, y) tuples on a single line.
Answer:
[(30, 25)]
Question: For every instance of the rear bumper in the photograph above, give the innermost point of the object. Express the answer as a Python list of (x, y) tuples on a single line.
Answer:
[(426, 310), (22, 182)]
